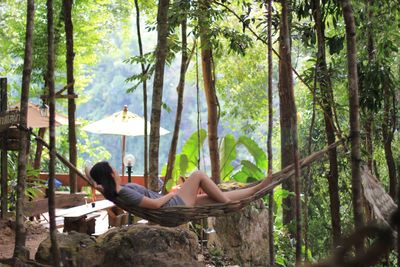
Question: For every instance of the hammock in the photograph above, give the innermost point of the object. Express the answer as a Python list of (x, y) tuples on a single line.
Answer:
[(380, 202), (177, 215)]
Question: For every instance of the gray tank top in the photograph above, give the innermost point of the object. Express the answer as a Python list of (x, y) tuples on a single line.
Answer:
[(132, 194)]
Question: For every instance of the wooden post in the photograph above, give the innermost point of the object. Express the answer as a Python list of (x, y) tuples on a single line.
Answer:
[(4, 174)]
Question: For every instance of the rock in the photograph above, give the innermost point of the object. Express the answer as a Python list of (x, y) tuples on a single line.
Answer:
[(136, 245), (76, 249), (243, 236), (143, 245)]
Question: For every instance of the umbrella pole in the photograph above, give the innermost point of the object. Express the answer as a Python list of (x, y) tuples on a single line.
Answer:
[(123, 155)]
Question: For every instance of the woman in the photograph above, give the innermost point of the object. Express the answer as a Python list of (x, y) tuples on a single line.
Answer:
[(134, 194)]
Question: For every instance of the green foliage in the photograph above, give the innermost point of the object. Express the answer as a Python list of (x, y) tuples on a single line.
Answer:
[(246, 171), (227, 153), (187, 160)]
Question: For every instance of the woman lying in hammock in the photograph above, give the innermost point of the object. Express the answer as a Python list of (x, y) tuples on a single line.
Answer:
[(133, 194)]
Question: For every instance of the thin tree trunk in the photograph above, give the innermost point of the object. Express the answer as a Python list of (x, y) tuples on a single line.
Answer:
[(145, 137), (20, 250), (354, 117), (69, 36), (4, 153), (39, 150), (209, 89), (161, 54), (180, 89), (308, 175), (285, 88), (289, 124), (327, 94), (50, 82), (387, 135), (369, 149), (269, 138), (368, 124)]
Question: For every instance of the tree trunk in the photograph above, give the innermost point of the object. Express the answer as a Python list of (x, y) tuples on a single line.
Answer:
[(308, 176), (179, 107), (209, 89), (52, 133), (67, 5), (4, 153), (269, 138), (369, 121), (289, 145), (387, 134), (354, 117), (145, 137), (39, 149), (161, 54), (327, 96), (20, 232), (285, 89)]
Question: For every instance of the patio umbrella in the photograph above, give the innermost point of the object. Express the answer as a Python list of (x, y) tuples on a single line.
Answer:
[(38, 120), (122, 123)]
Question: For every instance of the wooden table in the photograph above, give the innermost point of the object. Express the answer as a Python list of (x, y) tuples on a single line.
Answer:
[(82, 218)]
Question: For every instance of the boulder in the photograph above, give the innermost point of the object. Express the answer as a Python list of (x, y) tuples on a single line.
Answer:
[(76, 249), (136, 245), (242, 236)]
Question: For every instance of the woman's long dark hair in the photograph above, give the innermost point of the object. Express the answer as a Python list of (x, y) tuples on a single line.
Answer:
[(101, 172)]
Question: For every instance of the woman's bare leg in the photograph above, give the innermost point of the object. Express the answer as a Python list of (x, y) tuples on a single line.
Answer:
[(234, 195), (198, 179)]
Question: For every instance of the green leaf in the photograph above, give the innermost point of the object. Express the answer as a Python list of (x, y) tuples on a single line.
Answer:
[(248, 172), (252, 170), (170, 184), (227, 155), (191, 148), (253, 148), (240, 176), (183, 164)]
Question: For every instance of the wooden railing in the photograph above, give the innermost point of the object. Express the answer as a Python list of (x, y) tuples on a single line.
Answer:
[(64, 179)]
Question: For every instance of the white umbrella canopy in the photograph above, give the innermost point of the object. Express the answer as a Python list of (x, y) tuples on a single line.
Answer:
[(36, 119), (122, 123)]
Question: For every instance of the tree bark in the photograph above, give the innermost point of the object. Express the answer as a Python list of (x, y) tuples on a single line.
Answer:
[(180, 89), (354, 117), (69, 36), (20, 250), (50, 82), (161, 54), (209, 89), (3, 153), (285, 89), (369, 121), (269, 138), (39, 150), (144, 86), (387, 134), (289, 142), (327, 98)]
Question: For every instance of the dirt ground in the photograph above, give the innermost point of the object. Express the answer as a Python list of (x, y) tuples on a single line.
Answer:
[(36, 233)]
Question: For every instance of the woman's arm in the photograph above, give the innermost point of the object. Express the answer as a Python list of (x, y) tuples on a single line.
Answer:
[(150, 203)]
